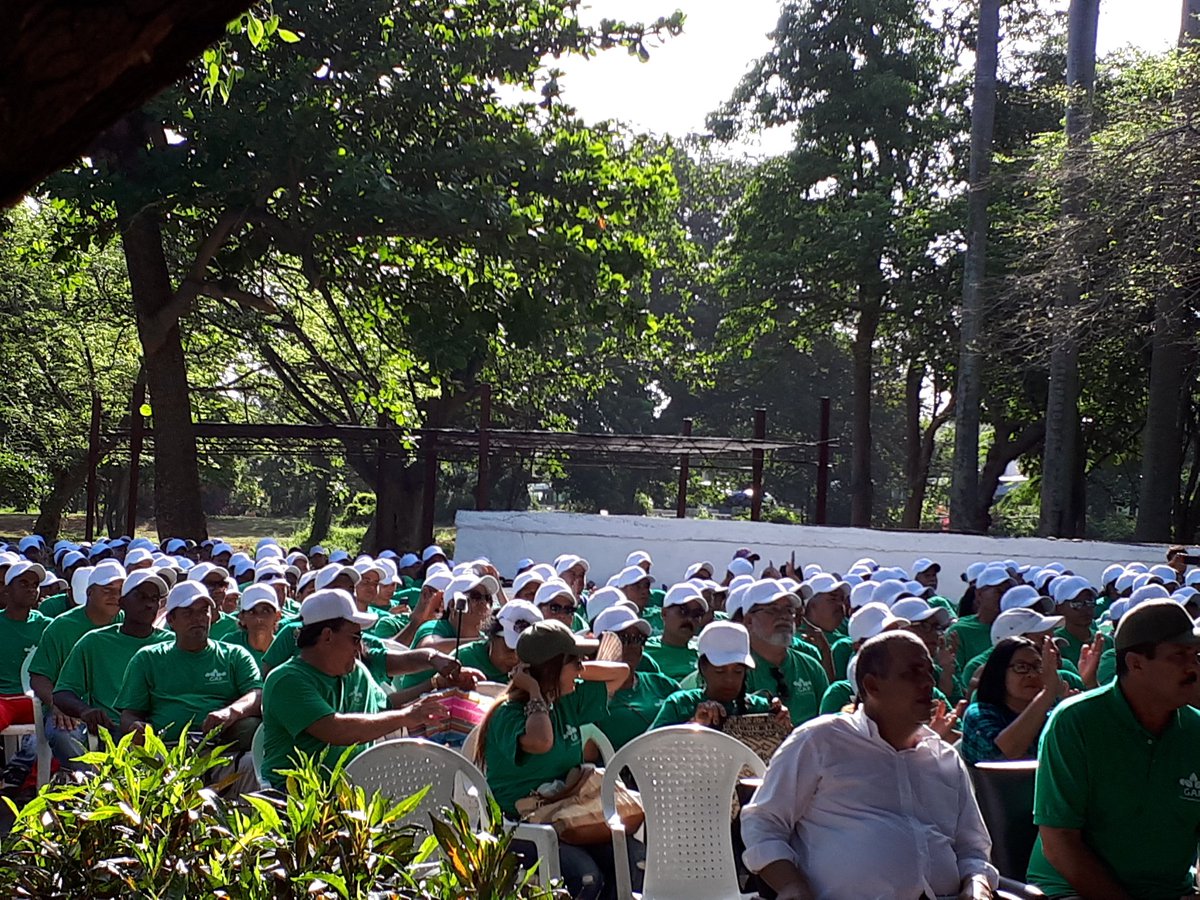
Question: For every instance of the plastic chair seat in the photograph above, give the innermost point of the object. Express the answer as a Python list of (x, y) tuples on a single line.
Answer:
[(687, 775)]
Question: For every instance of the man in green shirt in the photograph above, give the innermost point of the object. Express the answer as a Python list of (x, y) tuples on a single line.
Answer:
[(323, 699), (94, 671), (214, 686), (21, 628), (768, 610), (973, 633), (66, 735), (215, 580), (1117, 797), (1075, 601), (632, 709), (682, 614)]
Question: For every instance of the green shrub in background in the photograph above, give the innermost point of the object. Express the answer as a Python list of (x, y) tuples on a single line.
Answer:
[(360, 510), (146, 825)]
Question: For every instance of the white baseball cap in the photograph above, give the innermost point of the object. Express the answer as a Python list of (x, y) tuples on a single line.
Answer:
[(764, 592), (105, 572), (602, 599), (362, 567), (318, 551), (820, 583), (339, 556), (390, 574), (514, 617), (683, 593), (555, 587), (924, 565), (568, 560), (200, 571), (740, 566), (438, 580), (618, 618), (888, 592), (138, 555), (917, 610), (306, 579), (79, 584), (866, 563), (862, 594), (431, 551), (872, 619), (408, 559), (468, 581), (270, 574), (256, 594), (220, 548), (140, 577), (20, 568), (1141, 595), (637, 557), (690, 572), (331, 604), (724, 644), (1111, 574), (185, 594), (326, 574), (1021, 620), (974, 570), (737, 590), (529, 576), (629, 575), (1136, 567), (992, 576), (1069, 587)]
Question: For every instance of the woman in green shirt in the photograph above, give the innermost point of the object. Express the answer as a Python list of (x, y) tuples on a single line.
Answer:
[(725, 658), (258, 619), (495, 653), (632, 709), (532, 735)]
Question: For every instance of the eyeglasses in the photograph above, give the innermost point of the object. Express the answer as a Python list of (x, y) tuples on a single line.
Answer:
[(559, 609), (1027, 668), (357, 638), (782, 688), (636, 639)]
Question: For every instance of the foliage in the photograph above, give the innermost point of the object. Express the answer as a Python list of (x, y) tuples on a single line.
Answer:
[(147, 822), (360, 510)]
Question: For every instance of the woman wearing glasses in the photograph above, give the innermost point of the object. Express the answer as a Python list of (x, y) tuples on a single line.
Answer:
[(1018, 687), (725, 659), (632, 709), (555, 600)]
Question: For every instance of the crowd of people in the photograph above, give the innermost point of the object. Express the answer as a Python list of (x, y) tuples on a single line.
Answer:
[(888, 687)]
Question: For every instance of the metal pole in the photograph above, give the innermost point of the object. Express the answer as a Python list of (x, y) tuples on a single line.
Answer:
[(681, 497), (430, 493), (822, 511), (137, 426), (89, 528), (483, 487), (760, 433)]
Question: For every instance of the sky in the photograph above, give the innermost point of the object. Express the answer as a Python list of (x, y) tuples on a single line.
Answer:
[(690, 75)]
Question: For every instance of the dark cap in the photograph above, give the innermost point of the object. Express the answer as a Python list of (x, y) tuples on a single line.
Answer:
[(746, 553), (1156, 622), (542, 641)]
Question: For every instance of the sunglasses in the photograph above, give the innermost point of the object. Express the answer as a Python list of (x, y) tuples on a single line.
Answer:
[(782, 688), (560, 609), (632, 640), (1081, 604)]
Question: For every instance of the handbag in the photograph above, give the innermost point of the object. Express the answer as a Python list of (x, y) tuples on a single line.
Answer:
[(761, 732), (576, 811)]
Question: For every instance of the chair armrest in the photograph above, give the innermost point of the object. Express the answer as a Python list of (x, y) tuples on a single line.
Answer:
[(1020, 890), (545, 839), (621, 858)]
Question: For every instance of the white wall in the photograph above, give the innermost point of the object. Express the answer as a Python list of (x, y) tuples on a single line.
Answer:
[(505, 537)]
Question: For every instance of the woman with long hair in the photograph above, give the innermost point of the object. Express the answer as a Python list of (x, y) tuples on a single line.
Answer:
[(532, 735), (1018, 687), (724, 649)]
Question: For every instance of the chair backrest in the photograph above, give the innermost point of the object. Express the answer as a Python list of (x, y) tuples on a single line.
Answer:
[(686, 775), (25, 669), (591, 732), (400, 768), (1004, 790), (256, 754)]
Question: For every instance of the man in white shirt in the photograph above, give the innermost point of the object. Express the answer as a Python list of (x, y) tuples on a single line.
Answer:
[(871, 804)]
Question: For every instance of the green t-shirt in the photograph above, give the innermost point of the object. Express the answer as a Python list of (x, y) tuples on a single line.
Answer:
[(841, 651), (54, 606), (801, 643), (284, 648), (407, 596), (511, 772), (631, 711), (657, 595), (801, 687), (225, 627), (944, 603), (680, 706), (59, 638), (1135, 797), (442, 628), (294, 696), (475, 656), (387, 626), (95, 669), (973, 638), (174, 687), (1106, 671), (242, 639), (1074, 645), (674, 662), (16, 640), (653, 617)]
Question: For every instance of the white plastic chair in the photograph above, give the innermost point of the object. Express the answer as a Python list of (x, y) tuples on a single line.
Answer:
[(257, 756), (400, 768), (13, 734), (687, 775), (591, 732)]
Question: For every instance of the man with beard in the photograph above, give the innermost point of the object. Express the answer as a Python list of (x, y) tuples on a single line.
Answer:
[(768, 610), (871, 803), (1117, 761), (683, 612)]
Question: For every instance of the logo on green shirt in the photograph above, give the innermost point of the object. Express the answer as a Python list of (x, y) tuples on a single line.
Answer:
[(214, 675), (1191, 787)]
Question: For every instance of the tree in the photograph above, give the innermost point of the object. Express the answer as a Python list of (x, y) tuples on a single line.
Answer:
[(964, 492), (1062, 512)]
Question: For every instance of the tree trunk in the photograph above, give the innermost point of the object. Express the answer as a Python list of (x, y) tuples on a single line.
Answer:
[(177, 507), (322, 515), (964, 487), (1059, 515), (861, 450), (1005, 448), (914, 470), (68, 482)]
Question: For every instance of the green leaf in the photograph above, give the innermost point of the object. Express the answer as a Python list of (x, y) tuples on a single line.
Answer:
[(288, 37)]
